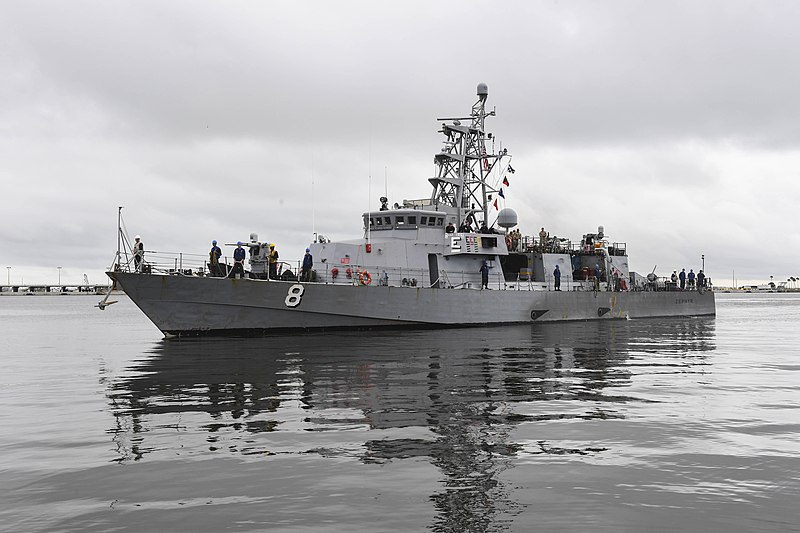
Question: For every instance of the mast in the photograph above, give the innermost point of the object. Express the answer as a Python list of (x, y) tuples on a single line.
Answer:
[(119, 235), (464, 163)]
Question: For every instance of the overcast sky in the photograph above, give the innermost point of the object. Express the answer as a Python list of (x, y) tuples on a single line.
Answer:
[(675, 125)]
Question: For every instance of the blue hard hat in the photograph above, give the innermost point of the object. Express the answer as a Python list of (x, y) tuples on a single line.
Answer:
[(239, 243), (214, 241), (308, 249)]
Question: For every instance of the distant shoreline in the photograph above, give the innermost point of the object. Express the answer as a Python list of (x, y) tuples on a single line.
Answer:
[(25, 291)]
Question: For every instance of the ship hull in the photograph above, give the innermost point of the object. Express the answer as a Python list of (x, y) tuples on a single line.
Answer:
[(187, 305)]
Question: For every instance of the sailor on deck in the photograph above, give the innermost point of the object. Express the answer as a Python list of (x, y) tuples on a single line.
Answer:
[(238, 261), (484, 274), (213, 259), (138, 253), (308, 264), (273, 262)]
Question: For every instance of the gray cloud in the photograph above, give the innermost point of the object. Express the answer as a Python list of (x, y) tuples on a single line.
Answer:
[(674, 124)]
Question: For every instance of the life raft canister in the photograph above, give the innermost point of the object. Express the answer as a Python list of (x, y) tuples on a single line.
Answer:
[(365, 277)]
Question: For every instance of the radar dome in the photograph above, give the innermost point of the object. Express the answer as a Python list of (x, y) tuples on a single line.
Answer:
[(483, 89), (507, 218)]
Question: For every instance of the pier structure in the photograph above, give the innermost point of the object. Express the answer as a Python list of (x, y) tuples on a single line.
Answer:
[(36, 289)]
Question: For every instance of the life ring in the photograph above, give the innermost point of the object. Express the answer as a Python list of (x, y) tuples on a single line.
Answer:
[(365, 278)]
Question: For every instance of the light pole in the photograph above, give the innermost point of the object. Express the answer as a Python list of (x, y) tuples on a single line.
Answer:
[(59, 278), (8, 282), (703, 260)]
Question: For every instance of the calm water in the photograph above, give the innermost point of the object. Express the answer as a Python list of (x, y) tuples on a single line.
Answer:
[(679, 425)]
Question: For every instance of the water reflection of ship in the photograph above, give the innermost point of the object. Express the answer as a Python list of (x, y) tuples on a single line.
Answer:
[(454, 396)]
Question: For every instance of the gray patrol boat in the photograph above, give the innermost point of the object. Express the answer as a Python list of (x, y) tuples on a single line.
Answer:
[(423, 263)]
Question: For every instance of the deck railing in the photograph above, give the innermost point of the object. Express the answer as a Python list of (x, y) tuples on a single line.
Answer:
[(184, 264)]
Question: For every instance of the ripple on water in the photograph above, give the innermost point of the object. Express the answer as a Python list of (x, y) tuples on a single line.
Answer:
[(686, 424)]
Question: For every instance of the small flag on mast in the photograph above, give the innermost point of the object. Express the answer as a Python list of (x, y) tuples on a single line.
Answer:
[(500, 193), (505, 181), (511, 169), (495, 205)]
